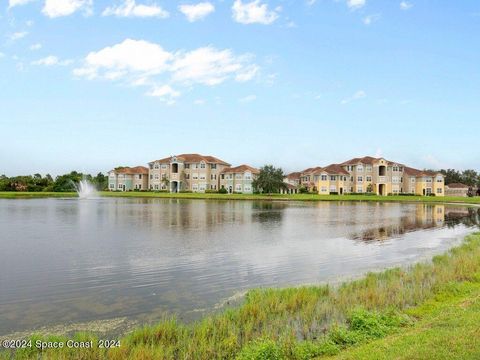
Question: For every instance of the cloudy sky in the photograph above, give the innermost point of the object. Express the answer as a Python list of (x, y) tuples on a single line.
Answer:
[(90, 84)]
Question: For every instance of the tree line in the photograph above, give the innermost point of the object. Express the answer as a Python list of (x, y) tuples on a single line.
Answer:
[(270, 180), (61, 183)]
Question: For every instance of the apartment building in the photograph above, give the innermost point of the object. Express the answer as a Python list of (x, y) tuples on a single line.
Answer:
[(128, 179), (372, 175), (186, 172), (238, 179)]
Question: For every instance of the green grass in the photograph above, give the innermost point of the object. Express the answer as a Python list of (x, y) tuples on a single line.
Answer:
[(274, 197), (31, 195), (379, 316)]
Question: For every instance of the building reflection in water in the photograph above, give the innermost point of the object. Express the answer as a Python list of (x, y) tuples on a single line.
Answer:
[(425, 216)]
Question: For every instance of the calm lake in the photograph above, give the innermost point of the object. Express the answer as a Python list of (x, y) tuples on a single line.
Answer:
[(66, 261)]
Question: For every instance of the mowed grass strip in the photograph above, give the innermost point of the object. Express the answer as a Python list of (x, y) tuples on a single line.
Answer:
[(272, 197), (318, 321)]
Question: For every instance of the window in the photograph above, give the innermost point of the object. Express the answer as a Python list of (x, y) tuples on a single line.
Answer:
[(156, 166), (360, 178), (164, 176), (164, 166), (157, 177), (213, 177), (151, 176), (156, 187), (333, 188), (238, 188), (412, 180), (333, 178), (428, 191), (439, 190), (112, 186), (359, 168), (187, 176), (194, 187), (195, 176), (439, 179), (369, 178), (223, 176), (351, 179), (139, 176), (368, 168), (187, 166), (202, 165), (324, 177), (112, 175), (202, 176), (359, 189), (213, 166), (238, 176), (248, 189), (248, 176), (202, 187)]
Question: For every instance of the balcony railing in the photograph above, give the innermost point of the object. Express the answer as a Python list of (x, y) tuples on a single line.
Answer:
[(382, 179)]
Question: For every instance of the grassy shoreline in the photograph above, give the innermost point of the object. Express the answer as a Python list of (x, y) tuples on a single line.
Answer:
[(397, 310), (274, 197)]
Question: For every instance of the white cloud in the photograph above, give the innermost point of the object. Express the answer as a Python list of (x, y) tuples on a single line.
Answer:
[(36, 46), (253, 12), (367, 20), (131, 9), (57, 8), (360, 94), (51, 61), (210, 66), (197, 11), (248, 98), (405, 5), (165, 93), (199, 102), (18, 35), (12, 3), (142, 63), (356, 4)]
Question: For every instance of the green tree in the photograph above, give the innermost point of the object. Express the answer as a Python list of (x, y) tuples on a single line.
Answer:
[(100, 181), (269, 180)]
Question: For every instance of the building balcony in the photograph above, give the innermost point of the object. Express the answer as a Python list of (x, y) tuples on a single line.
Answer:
[(382, 179)]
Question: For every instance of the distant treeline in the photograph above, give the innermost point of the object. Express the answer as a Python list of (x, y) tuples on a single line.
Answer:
[(62, 183), (467, 177)]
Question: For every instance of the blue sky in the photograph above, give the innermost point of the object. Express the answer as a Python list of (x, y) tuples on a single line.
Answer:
[(89, 84)]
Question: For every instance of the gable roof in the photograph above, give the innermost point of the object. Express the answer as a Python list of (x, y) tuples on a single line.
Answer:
[(366, 160), (294, 175), (193, 158), (131, 170), (335, 169), (415, 172), (241, 169), (457, 186)]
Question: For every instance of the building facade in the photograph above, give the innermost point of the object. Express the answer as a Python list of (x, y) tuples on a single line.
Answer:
[(238, 179), (186, 172), (372, 175), (128, 179), (457, 189)]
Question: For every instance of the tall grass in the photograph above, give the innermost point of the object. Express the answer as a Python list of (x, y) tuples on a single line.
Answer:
[(303, 322)]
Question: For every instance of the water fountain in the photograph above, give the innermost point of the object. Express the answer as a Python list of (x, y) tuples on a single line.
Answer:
[(85, 189)]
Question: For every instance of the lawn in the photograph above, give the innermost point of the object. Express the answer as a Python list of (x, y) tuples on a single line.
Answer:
[(273, 197), (428, 310)]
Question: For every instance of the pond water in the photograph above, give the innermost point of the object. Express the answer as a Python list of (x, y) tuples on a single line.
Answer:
[(66, 261)]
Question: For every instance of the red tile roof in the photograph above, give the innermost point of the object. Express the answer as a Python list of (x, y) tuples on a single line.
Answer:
[(415, 172), (131, 170), (193, 158), (457, 186), (367, 160), (241, 169), (294, 175)]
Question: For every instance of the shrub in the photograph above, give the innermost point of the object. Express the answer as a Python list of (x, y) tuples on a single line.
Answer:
[(223, 191), (261, 350), (333, 192), (302, 190), (306, 350)]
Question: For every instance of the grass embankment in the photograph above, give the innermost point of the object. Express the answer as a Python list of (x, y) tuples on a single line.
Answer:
[(273, 197), (30, 195), (430, 310)]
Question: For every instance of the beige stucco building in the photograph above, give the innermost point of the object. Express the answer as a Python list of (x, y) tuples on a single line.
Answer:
[(186, 172), (238, 179), (128, 179), (372, 175)]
